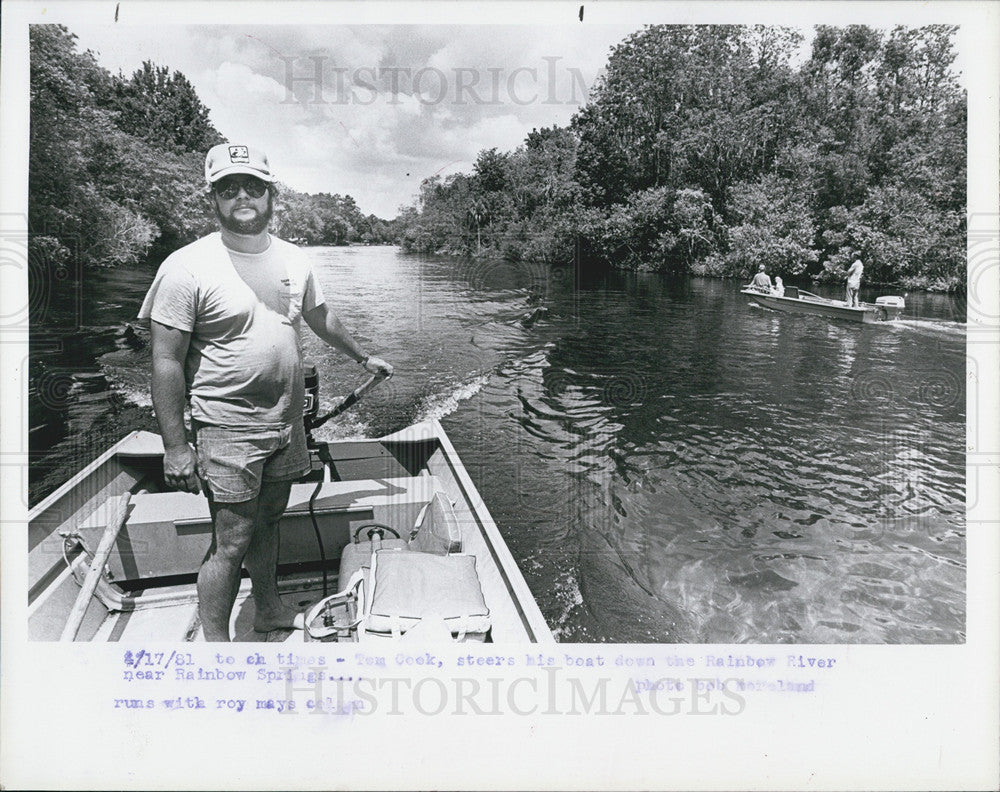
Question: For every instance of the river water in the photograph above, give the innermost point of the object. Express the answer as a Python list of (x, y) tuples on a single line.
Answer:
[(667, 462)]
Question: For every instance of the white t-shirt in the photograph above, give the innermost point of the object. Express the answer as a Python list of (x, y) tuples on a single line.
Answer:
[(854, 275), (243, 310)]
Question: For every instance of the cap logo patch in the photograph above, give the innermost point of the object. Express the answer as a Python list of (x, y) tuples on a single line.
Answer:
[(239, 154)]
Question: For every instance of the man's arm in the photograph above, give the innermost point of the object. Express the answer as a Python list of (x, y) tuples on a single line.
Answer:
[(170, 347), (327, 326)]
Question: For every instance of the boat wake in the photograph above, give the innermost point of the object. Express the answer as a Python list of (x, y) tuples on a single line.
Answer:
[(348, 425), (438, 405), (498, 344), (140, 397), (567, 599), (942, 327)]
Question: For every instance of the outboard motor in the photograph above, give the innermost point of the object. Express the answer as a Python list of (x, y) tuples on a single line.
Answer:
[(311, 407), (319, 453), (889, 307)]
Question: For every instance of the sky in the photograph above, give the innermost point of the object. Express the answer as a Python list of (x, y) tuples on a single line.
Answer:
[(371, 110), (393, 104)]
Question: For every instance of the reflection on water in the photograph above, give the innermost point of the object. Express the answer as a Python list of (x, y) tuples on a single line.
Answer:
[(690, 468), (666, 462)]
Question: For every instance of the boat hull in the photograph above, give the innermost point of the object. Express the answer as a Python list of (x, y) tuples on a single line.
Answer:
[(147, 589), (867, 313)]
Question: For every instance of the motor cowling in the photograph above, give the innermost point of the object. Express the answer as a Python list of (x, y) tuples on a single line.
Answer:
[(311, 407), (891, 301)]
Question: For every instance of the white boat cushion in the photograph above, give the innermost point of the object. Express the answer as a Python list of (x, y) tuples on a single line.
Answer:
[(357, 555), (410, 586)]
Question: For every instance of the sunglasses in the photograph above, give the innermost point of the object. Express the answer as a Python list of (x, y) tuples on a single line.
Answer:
[(229, 187)]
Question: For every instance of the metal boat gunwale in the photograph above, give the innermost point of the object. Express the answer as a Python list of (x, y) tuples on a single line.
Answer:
[(44, 542), (125, 466), (498, 547), (809, 303)]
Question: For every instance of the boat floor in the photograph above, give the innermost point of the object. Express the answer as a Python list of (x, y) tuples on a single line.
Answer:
[(179, 621)]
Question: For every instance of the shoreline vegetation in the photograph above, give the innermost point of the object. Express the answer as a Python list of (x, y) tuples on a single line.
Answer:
[(116, 167), (702, 150)]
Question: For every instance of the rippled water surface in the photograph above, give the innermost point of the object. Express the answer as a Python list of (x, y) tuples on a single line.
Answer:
[(666, 461)]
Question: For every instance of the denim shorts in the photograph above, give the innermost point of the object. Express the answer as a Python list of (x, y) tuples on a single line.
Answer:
[(234, 462)]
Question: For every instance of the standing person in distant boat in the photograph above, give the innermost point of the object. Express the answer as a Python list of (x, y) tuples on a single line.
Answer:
[(761, 281), (854, 282), (225, 318)]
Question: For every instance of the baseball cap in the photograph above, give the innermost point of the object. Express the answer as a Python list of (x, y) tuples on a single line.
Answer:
[(229, 158)]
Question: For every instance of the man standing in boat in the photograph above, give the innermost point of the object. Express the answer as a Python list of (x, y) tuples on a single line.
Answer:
[(225, 318), (761, 281), (854, 283)]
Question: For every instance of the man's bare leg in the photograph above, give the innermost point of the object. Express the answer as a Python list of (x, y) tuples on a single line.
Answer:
[(219, 576), (262, 559)]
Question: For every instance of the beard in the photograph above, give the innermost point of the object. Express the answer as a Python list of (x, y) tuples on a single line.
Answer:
[(246, 227)]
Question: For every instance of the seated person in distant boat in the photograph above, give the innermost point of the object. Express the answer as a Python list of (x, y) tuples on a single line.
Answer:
[(779, 287), (854, 283), (761, 281)]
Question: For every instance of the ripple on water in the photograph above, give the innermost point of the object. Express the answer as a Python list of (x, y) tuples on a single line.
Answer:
[(665, 462)]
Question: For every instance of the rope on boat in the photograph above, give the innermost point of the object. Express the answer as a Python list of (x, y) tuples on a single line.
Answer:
[(111, 531)]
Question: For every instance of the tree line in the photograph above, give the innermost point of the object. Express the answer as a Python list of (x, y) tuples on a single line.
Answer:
[(116, 166), (710, 150)]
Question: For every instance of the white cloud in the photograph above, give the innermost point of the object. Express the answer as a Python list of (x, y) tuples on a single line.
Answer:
[(375, 145), (237, 82)]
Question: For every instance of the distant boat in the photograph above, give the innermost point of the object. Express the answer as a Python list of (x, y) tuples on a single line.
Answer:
[(795, 300)]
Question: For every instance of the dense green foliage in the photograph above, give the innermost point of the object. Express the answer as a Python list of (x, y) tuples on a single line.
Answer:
[(103, 185), (325, 219), (703, 149), (116, 165)]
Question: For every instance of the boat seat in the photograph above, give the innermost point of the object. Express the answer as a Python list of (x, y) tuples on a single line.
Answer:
[(413, 581), (366, 459), (169, 533), (400, 590)]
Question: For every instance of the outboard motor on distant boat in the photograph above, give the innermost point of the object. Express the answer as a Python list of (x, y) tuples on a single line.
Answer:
[(889, 307)]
